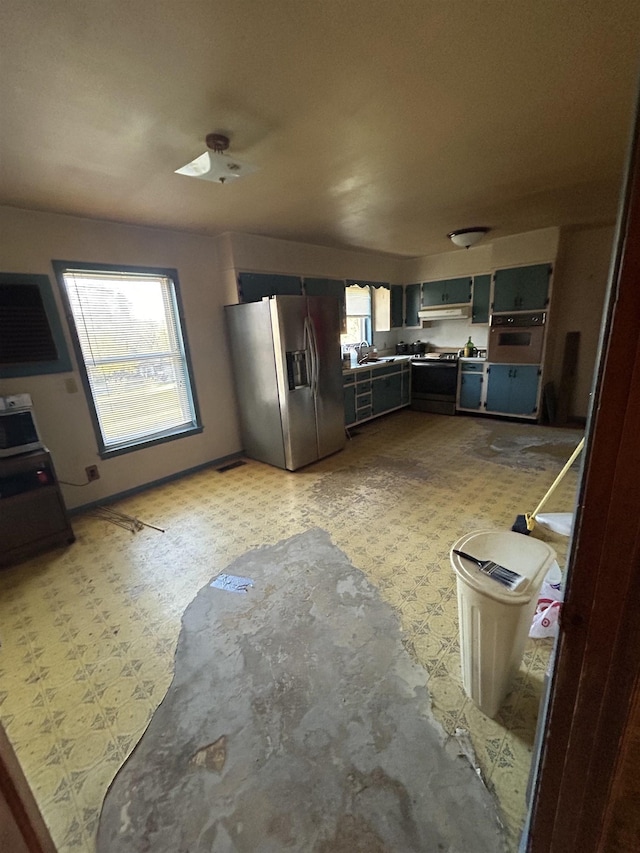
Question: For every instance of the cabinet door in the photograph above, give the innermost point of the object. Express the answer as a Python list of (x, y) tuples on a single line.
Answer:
[(470, 390), (397, 305), (406, 385), (432, 294), (457, 290), (349, 404), (387, 393), (412, 304), (481, 293), (524, 389), (254, 286), (521, 288), (449, 291), (498, 386), (512, 389), (329, 287)]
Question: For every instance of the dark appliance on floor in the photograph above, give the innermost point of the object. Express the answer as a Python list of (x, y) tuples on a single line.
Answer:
[(33, 516), (434, 382)]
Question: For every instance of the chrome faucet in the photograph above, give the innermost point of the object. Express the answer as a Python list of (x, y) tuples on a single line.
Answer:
[(359, 347)]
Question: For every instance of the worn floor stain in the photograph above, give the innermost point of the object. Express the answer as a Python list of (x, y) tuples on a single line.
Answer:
[(328, 735)]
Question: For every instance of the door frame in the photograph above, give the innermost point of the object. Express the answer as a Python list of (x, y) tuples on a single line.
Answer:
[(597, 668)]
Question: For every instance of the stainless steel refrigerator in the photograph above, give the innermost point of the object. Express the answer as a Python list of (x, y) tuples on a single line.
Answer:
[(288, 375)]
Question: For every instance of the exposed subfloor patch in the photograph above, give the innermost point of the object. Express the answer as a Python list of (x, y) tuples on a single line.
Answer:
[(512, 446), (296, 720)]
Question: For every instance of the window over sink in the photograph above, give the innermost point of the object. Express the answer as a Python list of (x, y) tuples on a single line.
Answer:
[(358, 305)]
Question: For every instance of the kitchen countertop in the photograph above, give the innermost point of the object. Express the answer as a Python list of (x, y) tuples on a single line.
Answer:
[(394, 359), (383, 360)]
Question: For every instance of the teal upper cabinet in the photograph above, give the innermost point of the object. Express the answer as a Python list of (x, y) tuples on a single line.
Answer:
[(324, 287), (450, 291), (521, 288), (412, 304), (481, 294), (397, 305), (253, 286), (328, 287)]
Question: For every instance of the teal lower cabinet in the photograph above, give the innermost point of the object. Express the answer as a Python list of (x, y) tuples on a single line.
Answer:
[(406, 384), (373, 391), (512, 389), (471, 385), (387, 393), (470, 391), (350, 404)]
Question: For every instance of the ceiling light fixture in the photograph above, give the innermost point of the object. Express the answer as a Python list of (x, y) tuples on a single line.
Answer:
[(465, 237), (214, 165)]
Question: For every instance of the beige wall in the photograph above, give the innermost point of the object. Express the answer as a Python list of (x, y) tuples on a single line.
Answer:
[(252, 253), (207, 269), (580, 283), (29, 242)]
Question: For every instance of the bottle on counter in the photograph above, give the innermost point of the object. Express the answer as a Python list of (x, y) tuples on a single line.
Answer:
[(469, 348)]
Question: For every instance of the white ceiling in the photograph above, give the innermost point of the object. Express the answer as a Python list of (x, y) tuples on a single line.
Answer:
[(376, 124)]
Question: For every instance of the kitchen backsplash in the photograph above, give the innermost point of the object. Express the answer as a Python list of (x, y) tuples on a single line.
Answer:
[(447, 333)]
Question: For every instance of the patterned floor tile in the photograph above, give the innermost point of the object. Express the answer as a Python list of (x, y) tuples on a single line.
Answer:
[(88, 633)]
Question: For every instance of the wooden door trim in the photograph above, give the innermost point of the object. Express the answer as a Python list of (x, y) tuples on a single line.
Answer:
[(599, 648)]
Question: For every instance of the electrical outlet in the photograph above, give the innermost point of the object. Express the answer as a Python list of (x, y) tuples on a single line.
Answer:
[(92, 473)]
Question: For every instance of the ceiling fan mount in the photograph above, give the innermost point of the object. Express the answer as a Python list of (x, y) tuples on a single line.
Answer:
[(217, 142), (219, 168)]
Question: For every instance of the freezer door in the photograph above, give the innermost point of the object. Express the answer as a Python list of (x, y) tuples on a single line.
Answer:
[(294, 358), (328, 395), (252, 353)]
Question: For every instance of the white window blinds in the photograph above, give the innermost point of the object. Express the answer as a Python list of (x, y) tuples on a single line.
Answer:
[(129, 334)]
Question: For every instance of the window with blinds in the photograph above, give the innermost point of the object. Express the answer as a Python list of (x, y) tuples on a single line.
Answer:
[(358, 302), (130, 342)]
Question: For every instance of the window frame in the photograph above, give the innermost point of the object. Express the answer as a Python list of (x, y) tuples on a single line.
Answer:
[(368, 319), (105, 452)]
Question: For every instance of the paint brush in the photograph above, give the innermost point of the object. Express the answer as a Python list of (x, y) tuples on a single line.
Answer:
[(499, 573)]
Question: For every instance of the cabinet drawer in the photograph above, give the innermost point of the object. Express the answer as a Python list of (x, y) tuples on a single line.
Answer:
[(363, 387), (363, 400), (385, 370), (363, 414), (349, 379), (470, 367)]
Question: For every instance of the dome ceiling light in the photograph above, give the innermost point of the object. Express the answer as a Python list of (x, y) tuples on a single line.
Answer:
[(465, 237), (214, 165)]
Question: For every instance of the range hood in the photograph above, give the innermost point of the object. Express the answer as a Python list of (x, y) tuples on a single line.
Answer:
[(453, 312)]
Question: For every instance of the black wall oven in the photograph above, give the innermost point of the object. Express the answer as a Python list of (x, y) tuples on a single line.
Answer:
[(434, 383)]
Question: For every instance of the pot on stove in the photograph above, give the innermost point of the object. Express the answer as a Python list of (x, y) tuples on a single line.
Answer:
[(418, 348), (402, 348)]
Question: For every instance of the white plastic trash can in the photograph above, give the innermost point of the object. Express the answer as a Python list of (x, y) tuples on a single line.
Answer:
[(494, 620)]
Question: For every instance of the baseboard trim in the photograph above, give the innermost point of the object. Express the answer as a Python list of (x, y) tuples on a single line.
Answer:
[(127, 493)]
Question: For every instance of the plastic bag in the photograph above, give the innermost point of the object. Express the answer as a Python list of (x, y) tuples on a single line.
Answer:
[(545, 618), (559, 522)]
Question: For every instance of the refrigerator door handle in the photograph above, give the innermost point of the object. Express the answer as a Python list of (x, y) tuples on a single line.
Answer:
[(311, 345), (316, 358)]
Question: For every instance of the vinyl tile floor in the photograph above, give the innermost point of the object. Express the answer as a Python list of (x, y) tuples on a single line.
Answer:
[(88, 633)]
